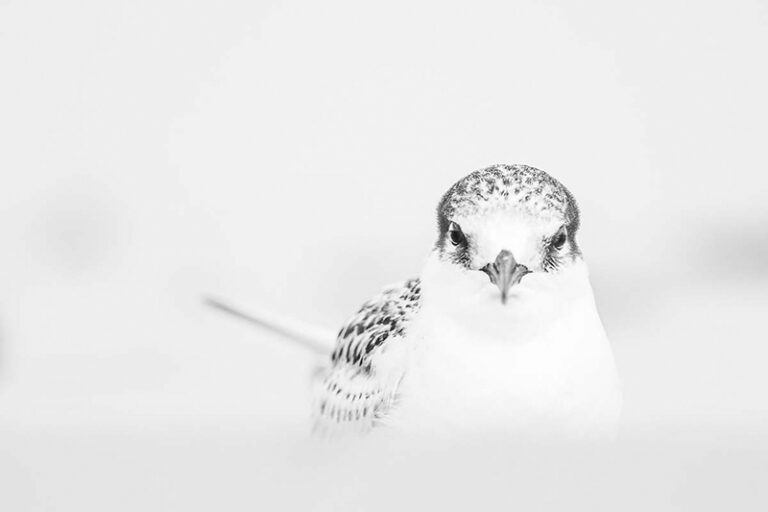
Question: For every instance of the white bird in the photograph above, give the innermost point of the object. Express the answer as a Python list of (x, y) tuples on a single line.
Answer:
[(499, 335)]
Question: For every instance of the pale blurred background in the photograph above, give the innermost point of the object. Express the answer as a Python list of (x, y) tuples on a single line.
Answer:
[(289, 155)]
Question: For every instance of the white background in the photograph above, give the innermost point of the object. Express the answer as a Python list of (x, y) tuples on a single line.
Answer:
[(289, 155)]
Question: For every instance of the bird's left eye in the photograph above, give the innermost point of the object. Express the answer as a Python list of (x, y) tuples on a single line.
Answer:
[(558, 241), (455, 234)]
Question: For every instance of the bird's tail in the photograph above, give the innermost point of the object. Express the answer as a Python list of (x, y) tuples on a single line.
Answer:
[(318, 340)]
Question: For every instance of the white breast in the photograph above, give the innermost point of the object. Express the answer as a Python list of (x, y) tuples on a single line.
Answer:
[(523, 374)]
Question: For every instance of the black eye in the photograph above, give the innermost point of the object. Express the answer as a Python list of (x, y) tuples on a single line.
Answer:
[(558, 241), (455, 234)]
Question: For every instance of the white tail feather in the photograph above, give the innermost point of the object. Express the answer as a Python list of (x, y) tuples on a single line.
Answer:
[(318, 340)]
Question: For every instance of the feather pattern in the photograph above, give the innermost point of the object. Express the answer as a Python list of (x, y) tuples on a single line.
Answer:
[(356, 391)]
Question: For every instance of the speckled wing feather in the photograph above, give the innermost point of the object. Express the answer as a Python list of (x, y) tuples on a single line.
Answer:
[(360, 386)]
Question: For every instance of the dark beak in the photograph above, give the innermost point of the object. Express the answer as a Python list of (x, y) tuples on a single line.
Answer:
[(505, 272)]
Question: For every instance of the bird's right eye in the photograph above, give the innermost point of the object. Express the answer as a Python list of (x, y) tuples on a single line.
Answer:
[(455, 235)]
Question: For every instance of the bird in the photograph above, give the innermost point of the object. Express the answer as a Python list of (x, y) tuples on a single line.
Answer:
[(498, 335)]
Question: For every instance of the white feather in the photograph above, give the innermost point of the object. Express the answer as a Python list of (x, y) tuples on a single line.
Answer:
[(540, 365)]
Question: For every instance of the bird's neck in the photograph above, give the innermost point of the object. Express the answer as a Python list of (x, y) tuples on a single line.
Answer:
[(532, 313), (528, 366)]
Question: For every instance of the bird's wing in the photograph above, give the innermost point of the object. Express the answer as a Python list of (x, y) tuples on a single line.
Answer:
[(360, 386)]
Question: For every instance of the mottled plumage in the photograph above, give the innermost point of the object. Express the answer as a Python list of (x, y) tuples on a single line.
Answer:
[(350, 392), (381, 318), (500, 330), (508, 187)]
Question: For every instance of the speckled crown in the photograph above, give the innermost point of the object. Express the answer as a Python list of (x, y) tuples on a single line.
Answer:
[(508, 186), (501, 185)]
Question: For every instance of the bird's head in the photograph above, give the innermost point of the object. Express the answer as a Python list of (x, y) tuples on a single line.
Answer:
[(505, 232)]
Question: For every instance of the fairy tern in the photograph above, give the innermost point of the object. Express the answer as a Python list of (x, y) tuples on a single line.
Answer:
[(499, 334)]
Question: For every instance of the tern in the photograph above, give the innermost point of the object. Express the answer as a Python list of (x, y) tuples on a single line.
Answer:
[(498, 335)]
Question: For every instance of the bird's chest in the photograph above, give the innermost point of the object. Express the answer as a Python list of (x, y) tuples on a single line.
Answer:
[(457, 380)]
